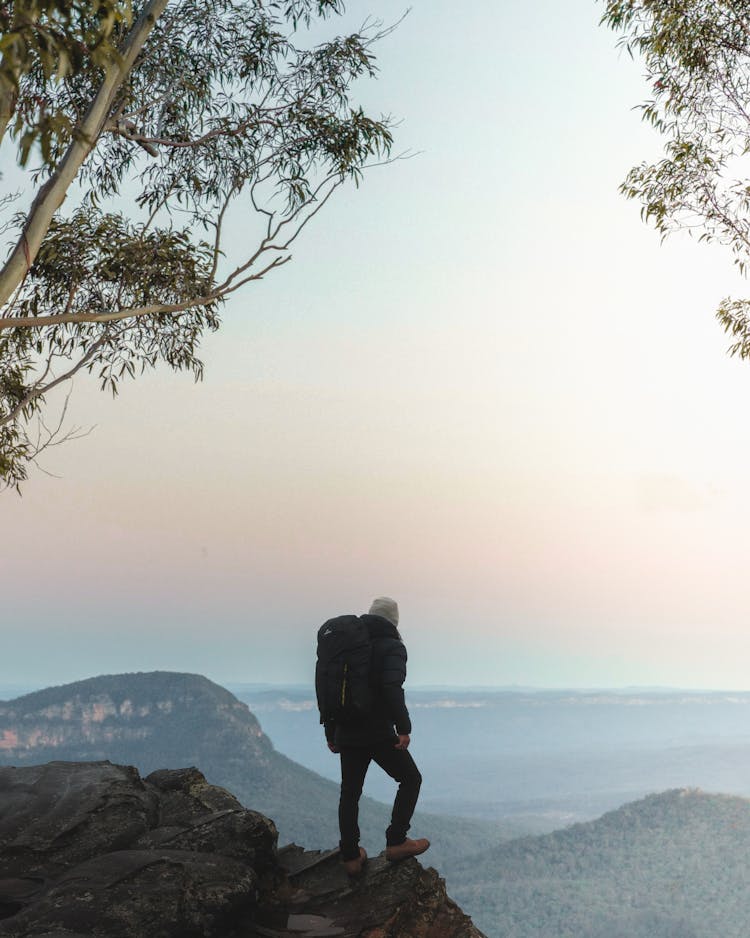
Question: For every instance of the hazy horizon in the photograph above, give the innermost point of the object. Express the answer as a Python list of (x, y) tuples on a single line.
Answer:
[(308, 687)]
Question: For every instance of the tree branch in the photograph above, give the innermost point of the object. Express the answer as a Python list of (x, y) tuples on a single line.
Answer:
[(276, 262), (127, 129), (40, 388), (135, 312), (54, 437)]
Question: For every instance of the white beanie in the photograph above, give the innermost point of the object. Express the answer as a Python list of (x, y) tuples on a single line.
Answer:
[(386, 608)]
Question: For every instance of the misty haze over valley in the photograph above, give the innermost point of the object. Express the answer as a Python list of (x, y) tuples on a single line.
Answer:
[(547, 757)]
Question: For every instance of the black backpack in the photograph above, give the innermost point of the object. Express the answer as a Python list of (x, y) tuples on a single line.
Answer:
[(342, 672)]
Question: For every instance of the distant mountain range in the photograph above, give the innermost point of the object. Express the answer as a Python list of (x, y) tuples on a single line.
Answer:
[(170, 720), (673, 865)]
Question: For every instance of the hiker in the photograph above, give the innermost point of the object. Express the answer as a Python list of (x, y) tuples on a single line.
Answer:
[(380, 735)]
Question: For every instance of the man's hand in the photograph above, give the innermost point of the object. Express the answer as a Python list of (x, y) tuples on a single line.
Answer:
[(403, 741), (332, 747)]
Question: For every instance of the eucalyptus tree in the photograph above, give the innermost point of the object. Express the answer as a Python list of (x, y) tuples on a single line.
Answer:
[(183, 111), (697, 59)]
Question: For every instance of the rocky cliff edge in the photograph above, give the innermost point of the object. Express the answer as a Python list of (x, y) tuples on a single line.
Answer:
[(92, 849)]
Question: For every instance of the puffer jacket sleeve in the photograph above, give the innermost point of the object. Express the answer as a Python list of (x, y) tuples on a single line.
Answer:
[(394, 675)]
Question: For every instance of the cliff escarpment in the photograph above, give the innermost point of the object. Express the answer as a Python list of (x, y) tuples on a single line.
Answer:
[(89, 850), (135, 713)]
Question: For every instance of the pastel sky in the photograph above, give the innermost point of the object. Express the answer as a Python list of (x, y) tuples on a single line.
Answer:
[(481, 387)]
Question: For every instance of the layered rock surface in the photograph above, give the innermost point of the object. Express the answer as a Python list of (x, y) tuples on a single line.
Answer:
[(92, 849)]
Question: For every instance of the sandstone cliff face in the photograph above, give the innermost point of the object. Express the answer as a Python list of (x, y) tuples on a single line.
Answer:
[(92, 849), (127, 712)]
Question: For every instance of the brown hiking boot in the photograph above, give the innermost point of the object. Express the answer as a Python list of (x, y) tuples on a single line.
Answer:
[(354, 867), (409, 848)]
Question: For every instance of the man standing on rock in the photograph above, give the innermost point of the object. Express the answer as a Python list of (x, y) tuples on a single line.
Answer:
[(381, 736)]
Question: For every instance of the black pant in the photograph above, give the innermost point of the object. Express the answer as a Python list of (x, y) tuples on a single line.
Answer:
[(401, 767)]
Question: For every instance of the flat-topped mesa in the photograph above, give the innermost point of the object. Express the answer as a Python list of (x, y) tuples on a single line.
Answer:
[(93, 849)]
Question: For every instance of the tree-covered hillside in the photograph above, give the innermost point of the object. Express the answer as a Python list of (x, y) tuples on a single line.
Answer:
[(674, 865)]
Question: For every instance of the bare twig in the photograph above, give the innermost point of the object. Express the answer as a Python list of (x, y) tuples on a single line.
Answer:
[(40, 388), (47, 438)]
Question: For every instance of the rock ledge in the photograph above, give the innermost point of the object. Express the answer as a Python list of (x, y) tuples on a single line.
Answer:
[(92, 849)]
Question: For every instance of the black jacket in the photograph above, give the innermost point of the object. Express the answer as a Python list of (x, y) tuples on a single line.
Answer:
[(389, 715)]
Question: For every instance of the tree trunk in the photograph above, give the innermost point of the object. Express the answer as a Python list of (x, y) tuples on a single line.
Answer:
[(52, 194)]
